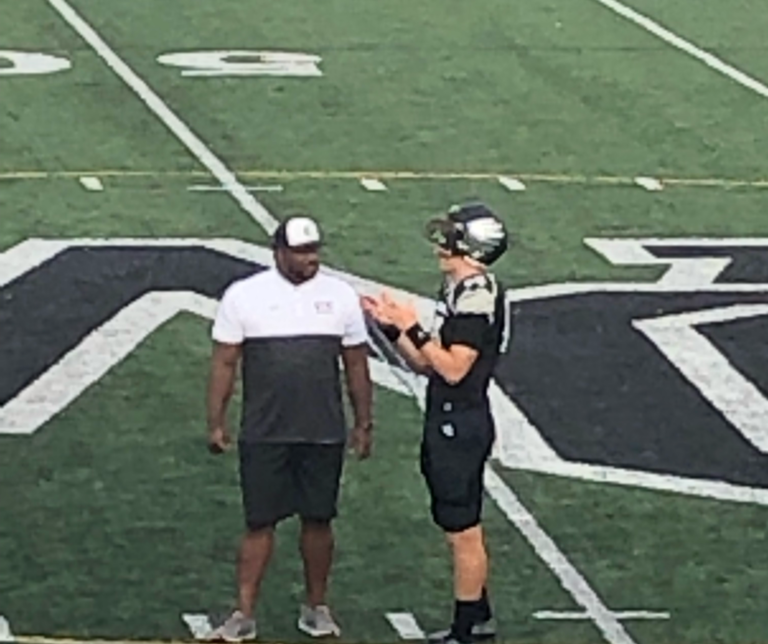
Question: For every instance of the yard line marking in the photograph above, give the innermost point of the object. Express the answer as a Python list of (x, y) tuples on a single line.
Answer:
[(201, 188), (404, 175), (6, 635), (182, 132), (649, 183), (373, 185), (688, 47), (91, 183), (199, 625), (45, 639), (406, 626), (567, 574), (512, 184), (580, 615)]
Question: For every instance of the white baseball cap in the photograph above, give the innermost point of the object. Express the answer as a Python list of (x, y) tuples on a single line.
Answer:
[(297, 231)]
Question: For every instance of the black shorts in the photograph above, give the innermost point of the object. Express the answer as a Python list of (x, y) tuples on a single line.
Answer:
[(278, 480), (454, 449)]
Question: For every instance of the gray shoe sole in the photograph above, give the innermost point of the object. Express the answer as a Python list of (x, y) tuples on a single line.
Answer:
[(316, 632)]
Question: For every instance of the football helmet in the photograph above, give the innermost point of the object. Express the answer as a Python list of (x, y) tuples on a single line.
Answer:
[(470, 230)]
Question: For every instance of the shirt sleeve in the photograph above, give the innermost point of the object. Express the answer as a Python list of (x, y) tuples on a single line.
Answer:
[(469, 330), (227, 326), (355, 330), (473, 316)]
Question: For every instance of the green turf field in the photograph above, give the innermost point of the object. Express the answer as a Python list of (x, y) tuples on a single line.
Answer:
[(114, 519)]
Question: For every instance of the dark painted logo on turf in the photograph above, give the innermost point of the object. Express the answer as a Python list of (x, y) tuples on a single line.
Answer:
[(653, 383)]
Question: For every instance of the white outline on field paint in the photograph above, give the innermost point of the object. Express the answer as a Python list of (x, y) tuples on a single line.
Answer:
[(729, 391), (688, 274), (180, 129), (130, 327), (97, 353), (671, 38)]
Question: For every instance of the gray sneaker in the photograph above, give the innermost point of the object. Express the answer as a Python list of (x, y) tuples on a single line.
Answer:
[(317, 622), (236, 628)]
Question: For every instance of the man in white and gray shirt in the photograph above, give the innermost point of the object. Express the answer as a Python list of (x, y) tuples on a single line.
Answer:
[(288, 327)]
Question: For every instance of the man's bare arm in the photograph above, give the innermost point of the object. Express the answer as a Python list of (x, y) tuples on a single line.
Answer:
[(359, 383), (221, 382)]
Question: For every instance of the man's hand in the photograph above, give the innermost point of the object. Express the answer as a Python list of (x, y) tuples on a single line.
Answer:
[(361, 440), (219, 440)]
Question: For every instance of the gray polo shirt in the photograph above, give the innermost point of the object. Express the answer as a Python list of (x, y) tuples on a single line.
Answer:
[(292, 336)]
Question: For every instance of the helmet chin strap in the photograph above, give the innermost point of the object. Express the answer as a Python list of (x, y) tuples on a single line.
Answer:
[(475, 263), (469, 268)]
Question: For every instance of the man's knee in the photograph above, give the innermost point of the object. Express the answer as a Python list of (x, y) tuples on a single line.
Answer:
[(315, 524), (255, 529), (472, 535)]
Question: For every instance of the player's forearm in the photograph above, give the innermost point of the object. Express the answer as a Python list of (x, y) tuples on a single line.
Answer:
[(451, 366), (221, 385), (442, 362), (412, 355)]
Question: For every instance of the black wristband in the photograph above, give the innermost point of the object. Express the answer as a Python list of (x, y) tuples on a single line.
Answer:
[(418, 336), (390, 331)]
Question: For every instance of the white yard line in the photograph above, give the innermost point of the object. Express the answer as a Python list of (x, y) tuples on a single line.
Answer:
[(567, 574), (180, 129), (266, 188), (686, 46)]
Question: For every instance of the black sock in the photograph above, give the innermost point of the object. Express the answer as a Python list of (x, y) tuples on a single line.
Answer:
[(484, 612), (464, 618)]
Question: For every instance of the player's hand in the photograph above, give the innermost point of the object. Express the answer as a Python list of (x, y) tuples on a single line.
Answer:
[(373, 307), (402, 315), (361, 440), (219, 440)]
